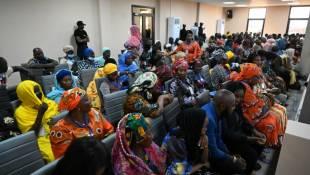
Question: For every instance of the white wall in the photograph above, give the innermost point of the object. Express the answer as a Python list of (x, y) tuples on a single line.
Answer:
[(43, 23), (208, 14), (239, 21), (275, 21)]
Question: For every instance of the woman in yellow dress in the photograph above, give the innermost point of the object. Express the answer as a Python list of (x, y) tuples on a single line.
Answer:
[(34, 113)]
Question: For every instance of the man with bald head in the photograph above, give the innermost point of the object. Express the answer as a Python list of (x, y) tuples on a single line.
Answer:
[(39, 61), (220, 159)]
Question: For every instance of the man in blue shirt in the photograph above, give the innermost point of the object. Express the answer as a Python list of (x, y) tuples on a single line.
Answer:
[(220, 158)]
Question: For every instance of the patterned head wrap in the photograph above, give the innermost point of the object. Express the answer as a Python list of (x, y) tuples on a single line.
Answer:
[(136, 127), (164, 71), (145, 81), (71, 98), (219, 54), (180, 63), (248, 71)]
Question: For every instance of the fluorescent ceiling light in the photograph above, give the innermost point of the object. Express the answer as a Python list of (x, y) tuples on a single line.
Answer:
[(229, 2), (288, 0), (241, 5), (293, 3)]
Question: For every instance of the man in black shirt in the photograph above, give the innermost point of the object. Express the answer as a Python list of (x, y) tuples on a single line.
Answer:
[(183, 33), (81, 38)]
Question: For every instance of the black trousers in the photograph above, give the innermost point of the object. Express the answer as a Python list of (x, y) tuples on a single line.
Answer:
[(224, 166), (249, 152)]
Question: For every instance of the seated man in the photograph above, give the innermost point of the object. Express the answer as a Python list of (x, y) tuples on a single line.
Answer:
[(39, 61), (219, 157)]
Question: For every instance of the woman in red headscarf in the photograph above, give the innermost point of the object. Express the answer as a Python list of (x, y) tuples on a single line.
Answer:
[(181, 86), (82, 121), (260, 109)]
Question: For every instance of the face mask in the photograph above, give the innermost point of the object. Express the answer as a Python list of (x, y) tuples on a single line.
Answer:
[(2, 79), (91, 58), (70, 55)]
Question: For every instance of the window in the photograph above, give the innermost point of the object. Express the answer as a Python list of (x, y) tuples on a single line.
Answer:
[(298, 20), (256, 20)]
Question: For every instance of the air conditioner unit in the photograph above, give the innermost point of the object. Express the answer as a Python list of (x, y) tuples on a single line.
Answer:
[(220, 26), (174, 27)]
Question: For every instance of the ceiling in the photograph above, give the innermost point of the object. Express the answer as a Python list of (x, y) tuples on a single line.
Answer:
[(251, 3)]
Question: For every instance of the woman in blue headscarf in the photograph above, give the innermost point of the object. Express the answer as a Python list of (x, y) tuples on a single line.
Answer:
[(126, 66), (64, 80)]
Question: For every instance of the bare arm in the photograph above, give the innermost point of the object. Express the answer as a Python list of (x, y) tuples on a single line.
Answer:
[(37, 124)]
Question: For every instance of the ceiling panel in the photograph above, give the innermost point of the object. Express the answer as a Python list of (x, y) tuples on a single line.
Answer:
[(251, 3)]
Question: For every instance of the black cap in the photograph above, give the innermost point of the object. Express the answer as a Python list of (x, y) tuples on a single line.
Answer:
[(80, 23)]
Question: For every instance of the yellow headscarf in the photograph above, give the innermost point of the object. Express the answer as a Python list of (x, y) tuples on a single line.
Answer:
[(230, 55), (27, 112), (91, 90)]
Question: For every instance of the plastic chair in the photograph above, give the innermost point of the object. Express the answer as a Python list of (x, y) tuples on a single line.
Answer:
[(87, 76), (113, 106), (170, 114), (48, 83)]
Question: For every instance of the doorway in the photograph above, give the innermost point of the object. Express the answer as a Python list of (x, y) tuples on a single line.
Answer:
[(144, 18)]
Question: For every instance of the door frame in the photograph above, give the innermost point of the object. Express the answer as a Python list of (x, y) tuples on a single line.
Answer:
[(143, 24)]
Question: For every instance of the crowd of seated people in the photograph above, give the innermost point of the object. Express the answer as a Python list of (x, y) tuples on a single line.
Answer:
[(247, 75)]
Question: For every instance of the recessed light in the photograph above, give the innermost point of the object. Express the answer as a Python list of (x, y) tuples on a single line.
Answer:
[(229, 2)]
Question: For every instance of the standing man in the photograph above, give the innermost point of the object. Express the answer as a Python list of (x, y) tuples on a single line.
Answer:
[(81, 39), (195, 29), (183, 33)]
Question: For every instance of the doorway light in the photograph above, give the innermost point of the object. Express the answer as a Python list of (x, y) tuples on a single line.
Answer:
[(229, 2)]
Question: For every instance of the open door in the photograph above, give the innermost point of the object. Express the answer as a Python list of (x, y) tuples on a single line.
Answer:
[(144, 17)]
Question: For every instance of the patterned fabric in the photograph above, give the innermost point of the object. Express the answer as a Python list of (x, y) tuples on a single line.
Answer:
[(84, 64), (92, 91), (163, 71), (136, 127), (179, 64), (265, 117), (125, 161), (26, 115), (219, 54), (57, 91), (175, 149), (71, 99), (135, 102), (218, 75), (248, 71), (144, 82), (192, 51), (183, 90), (66, 130)]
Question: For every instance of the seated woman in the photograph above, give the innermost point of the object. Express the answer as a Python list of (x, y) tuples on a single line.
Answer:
[(268, 84), (88, 63), (81, 121), (134, 151), (259, 109), (127, 67), (140, 97), (34, 113), (187, 145), (86, 155), (201, 83), (64, 80), (69, 58), (181, 86), (164, 73), (109, 70)]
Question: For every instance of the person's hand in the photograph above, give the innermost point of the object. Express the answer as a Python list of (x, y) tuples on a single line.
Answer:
[(240, 162), (43, 108), (166, 98), (203, 142)]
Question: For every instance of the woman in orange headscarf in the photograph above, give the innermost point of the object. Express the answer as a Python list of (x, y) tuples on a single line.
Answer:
[(82, 121), (260, 109)]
